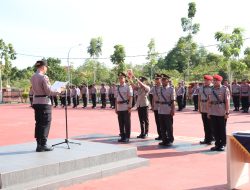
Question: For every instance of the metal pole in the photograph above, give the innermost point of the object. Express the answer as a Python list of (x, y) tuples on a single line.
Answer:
[(68, 70)]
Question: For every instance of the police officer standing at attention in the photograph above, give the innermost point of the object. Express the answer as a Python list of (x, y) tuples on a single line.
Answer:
[(42, 105), (103, 92), (244, 95), (236, 95), (195, 91), (166, 111), (123, 104), (180, 91), (155, 91), (85, 95), (219, 104), (204, 91), (142, 104), (93, 91)]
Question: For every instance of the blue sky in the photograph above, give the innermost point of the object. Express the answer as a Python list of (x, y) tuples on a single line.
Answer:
[(49, 28)]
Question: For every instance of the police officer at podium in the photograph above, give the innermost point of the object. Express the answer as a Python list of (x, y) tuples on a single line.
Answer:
[(42, 105)]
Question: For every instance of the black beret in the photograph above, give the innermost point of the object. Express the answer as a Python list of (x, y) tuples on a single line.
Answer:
[(122, 74), (141, 78), (164, 76), (41, 63)]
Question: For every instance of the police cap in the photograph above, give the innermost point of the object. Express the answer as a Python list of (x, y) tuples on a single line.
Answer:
[(41, 63)]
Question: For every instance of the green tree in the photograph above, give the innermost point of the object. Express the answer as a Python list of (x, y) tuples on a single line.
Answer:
[(56, 72), (7, 53), (118, 58), (230, 45), (95, 50), (191, 28)]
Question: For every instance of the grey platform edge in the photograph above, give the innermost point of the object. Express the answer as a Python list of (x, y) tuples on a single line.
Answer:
[(81, 176)]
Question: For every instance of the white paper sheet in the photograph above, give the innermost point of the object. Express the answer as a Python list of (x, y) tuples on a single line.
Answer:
[(58, 85)]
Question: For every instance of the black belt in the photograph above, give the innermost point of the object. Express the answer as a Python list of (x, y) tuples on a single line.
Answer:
[(41, 96), (203, 100), (215, 103), (122, 102), (244, 92), (168, 103)]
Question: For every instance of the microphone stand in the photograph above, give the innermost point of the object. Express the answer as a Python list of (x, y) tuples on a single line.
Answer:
[(66, 141)]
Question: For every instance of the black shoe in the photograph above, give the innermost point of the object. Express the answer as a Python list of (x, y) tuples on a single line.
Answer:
[(221, 148), (165, 143), (125, 140), (235, 109), (43, 148), (158, 138), (215, 148), (141, 136), (206, 142), (121, 140)]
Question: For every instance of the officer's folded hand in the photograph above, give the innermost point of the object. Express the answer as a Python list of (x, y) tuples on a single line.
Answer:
[(208, 116), (129, 110), (172, 112), (226, 116)]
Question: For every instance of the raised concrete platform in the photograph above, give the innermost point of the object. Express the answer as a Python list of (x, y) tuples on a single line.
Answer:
[(23, 168)]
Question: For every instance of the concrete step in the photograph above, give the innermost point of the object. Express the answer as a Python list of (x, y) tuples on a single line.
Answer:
[(20, 164), (82, 175)]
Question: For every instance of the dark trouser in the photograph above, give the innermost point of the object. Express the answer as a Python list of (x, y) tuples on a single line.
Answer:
[(74, 101), (180, 102), (111, 100), (51, 99), (133, 101), (150, 98), (143, 117), (185, 99), (31, 100), (124, 123), (84, 100), (207, 128), (195, 99), (77, 100), (166, 124), (157, 122), (69, 100), (103, 99), (43, 120), (63, 100), (218, 124), (93, 98), (245, 103), (55, 100), (236, 101)]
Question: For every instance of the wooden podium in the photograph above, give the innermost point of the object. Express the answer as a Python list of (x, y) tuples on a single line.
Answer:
[(238, 159)]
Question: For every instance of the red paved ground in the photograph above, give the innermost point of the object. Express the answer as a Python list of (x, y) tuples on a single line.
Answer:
[(171, 168)]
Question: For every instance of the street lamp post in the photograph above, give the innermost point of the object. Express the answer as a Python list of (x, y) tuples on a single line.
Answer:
[(68, 70)]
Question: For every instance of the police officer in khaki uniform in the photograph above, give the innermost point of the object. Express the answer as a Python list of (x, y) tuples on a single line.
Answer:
[(155, 91), (103, 91), (236, 95), (166, 111), (204, 91), (93, 92), (85, 95), (142, 104), (180, 91), (42, 105), (195, 92), (74, 96), (123, 104), (219, 104), (244, 95)]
